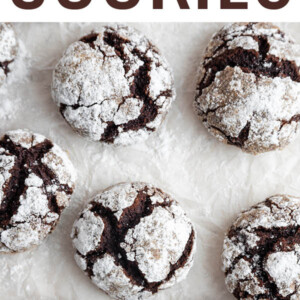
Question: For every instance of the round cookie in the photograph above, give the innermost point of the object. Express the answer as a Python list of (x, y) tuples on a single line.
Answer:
[(113, 86), (8, 50), (134, 240), (261, 257), (248, 93), (36, 184)]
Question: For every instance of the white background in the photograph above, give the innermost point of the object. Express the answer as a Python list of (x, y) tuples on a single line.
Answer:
[(213, 182), (100, 11)]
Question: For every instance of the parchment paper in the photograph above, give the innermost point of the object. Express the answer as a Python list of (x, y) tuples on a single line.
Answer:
[(212, 181)]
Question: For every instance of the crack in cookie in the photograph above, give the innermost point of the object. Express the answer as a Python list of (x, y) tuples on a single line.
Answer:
[(262, 251), (37, 183), (236, 141), (113, 86), (250, 79), (16, 187), (5, 66), (258, 63), (129, 218)]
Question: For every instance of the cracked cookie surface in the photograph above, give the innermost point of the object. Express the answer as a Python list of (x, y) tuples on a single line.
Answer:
[(248, 93), (261, 257), (36, 184), (8, 50), (134, 240), (113, 86)]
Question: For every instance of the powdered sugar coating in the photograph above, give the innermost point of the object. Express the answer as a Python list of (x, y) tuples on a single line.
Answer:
[(108, 275), (87, 232), (249, 87), (6, 163), (155, 241), (118, 197), (264, 240), (156, 250), (284, 268), (25, 138), (58, 161), (8, 49), (31, 195), (113, 86)]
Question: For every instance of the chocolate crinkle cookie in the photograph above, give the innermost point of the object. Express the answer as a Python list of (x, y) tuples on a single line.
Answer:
[(36, 183), (261, 257), (134, 240), (248, 93), (8, 50), (113, 86)]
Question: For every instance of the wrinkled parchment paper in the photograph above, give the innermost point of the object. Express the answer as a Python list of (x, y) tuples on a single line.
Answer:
[(212, 181)]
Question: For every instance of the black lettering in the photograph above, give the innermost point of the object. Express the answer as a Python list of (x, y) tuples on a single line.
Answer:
[(158, 4), (202, 4), (122, 5), (273, 5), (74, 5), (28, 5), (227, 4)]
